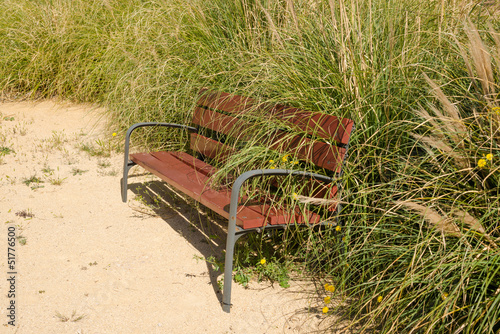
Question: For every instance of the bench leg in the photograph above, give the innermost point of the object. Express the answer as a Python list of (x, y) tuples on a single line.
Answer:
[(232, 237), (123, 182)]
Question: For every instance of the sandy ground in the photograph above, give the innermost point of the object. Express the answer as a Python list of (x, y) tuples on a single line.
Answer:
[(87, 263)]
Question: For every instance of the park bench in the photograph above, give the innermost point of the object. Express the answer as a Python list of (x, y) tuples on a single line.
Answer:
[(313, 138)]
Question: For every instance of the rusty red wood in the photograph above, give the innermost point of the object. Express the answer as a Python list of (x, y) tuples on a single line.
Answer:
[(196, 185), (316, 124)]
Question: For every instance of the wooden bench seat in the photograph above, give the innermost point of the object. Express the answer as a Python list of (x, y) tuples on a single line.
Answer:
[(190, 179), (222, 124)]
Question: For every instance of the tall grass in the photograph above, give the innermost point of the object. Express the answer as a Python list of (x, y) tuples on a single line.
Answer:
[(420, 78)]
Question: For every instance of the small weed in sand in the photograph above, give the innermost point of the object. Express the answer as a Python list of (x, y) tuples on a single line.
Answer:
[(100, 151), (25, 214), (47, 170), (21, 240), (74, 317), (33, 182), (78, 171), (21, 128), (12, 180), (57, 140), (8, 118), (56, 181), (103, 164), (6, 150), (112, 172)]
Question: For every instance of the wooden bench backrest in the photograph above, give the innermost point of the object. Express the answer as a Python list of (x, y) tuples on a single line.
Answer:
[(322, 140)]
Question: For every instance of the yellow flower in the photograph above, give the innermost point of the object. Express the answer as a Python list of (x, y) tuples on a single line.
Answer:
[(272, 167), (338, 228), (331, 288), (481, 163), (489, 156), (379, 299), (114, 134), (295, 196), (496, 109), (445, 295), (327, 300), (285, 158), (325, 309), (263, 261), (295, 162), (271, 161), (326, 286)]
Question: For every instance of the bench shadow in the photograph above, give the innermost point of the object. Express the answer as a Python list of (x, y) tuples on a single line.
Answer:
[(203, 229), (207, 231)]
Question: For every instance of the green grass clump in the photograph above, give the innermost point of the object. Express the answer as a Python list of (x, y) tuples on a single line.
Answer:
[(421, 80)]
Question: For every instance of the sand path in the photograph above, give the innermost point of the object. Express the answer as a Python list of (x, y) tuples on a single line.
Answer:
[(88, 263)]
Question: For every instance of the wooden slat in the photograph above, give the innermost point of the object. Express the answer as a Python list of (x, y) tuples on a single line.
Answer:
[(194, 184), (218, 122), (281, 217), (317, 124), (192, 162), (321, 154), (211, 148), (226, 102)]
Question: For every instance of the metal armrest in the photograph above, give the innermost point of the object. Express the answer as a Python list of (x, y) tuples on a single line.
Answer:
[(140, 125), (127, 164), (238, 183)]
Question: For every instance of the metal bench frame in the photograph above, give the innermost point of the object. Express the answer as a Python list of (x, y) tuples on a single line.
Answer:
[(234, 231)]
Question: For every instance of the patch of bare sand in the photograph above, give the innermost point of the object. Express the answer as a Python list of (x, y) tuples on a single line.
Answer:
[(92, 264)]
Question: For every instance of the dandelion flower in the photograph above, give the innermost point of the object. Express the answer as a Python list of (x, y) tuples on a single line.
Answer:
[(481, 163), (263, 261), (325, 309), (379, 299), (327, 300), (295, 196), (489, 156), (114, 134), (338, 228), (331, 288)]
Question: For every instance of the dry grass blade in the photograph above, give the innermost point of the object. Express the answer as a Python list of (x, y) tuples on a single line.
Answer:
[(496, 38), (474, 224), (272, 26), (440, 145), (432, 120), (318, 201), (456, 128), (291, 8), (332, 12), (444, 224), (450, 109), (481, 58)]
